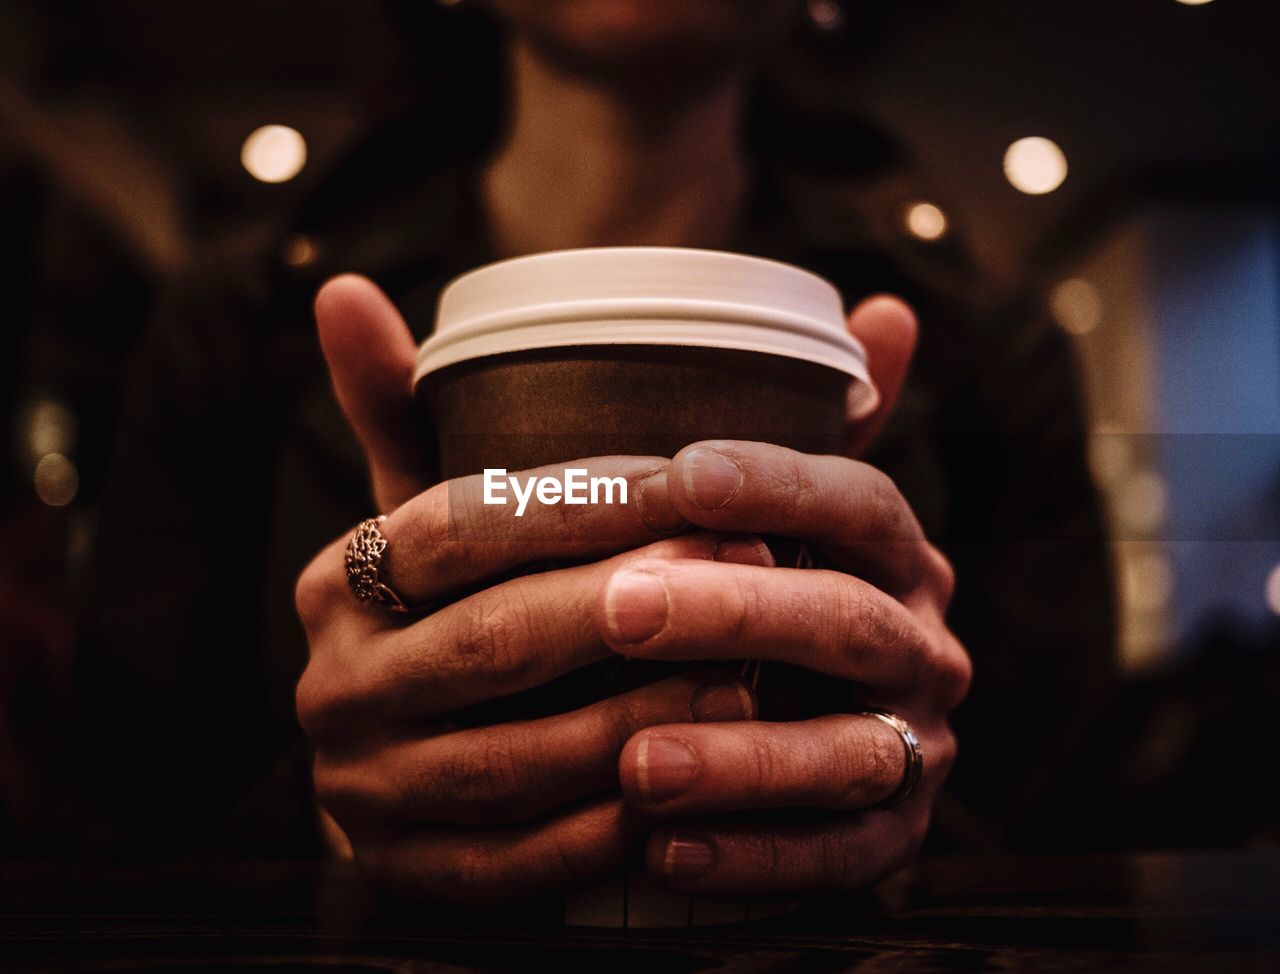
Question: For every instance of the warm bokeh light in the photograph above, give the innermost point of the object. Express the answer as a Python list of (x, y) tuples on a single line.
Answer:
[(1148, 582), (274, 153), (1110, 454), (925, 221), (1077, 306), (1141, 502), (1035, 165), (56, 480), (298, 250), (51, 428), (1194, 3)]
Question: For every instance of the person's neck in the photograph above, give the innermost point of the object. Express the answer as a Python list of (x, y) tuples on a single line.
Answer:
[(587, 166)]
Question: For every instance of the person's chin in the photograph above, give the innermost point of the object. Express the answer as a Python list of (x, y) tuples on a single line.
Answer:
[(652, 21), (625, 38)]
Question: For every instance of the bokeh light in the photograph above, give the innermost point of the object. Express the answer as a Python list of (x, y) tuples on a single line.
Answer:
[(298, 250), (1148, 582), (1141, 502), (1077, 306), (1110, 454), (50, 428), (926, 221), (56, 480), (1035, 165), (274, 153)]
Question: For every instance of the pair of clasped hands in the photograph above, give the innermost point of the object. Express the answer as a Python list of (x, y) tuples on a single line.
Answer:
[(483, 816)]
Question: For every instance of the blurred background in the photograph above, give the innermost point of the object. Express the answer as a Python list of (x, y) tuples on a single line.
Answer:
[(1119, 159)]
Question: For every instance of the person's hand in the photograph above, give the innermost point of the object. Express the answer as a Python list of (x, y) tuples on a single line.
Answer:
[(479, 814), (450, 811), (875, 619), (874, 616)]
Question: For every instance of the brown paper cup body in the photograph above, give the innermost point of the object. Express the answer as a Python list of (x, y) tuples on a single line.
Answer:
[(543, 407), (550, 406)]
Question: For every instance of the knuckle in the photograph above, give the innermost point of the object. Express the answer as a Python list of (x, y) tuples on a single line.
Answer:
[(436, 539), (314, 590), (481, 773), (868, 623), (847, 617), (324, 782), (961, 674), (942, 574), (619, 722), (943, 752), (950, 670), (798, 485), (313, 703), (342, 794), (935, 666), (890, 520), (882, 495), (761, 761), (743, 609), (331, 702), (490, 642), (851, 617), (880, 487), (567, 518), (926, 658)]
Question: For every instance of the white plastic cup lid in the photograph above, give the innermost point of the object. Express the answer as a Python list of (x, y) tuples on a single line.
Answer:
[(667, 296)]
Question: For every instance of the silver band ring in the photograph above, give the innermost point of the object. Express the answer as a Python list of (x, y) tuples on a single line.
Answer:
[(365, 552), (913, 766)]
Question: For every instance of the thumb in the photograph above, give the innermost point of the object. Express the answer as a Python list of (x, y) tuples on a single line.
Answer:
[(887, 328), (371, 356)]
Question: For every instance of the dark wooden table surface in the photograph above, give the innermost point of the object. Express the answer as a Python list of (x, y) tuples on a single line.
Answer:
[(1214, 912)]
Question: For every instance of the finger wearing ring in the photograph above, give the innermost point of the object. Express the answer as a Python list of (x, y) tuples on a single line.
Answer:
[(366, 553), (843, 762), (913, 766)]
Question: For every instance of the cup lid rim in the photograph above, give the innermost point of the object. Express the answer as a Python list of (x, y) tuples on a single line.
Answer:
[(667, 296)]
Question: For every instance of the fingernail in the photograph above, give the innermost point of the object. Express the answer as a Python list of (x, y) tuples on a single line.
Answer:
[(664, 767), (635, 605), (710, 478), (654, 502), (718, 702), (744, 551), (688, 858)]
